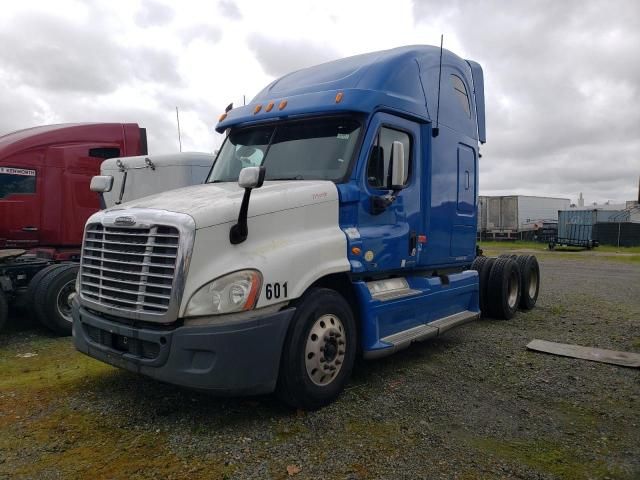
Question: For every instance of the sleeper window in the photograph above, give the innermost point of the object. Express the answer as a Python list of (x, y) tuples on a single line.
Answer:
[(16, 180), (379, 167), (461, 93)]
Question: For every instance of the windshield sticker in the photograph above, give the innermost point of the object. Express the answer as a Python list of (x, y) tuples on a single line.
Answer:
[(18, 171), (343, 136)]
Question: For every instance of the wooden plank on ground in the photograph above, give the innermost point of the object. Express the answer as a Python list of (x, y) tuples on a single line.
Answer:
[(624, 359)]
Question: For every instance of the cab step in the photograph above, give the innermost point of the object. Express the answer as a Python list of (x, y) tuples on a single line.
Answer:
[(401, 340)]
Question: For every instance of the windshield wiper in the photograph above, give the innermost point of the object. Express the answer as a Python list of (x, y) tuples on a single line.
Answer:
[(297, 177)]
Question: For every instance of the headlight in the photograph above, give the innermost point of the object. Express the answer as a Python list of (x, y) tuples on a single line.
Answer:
[(234, 292)]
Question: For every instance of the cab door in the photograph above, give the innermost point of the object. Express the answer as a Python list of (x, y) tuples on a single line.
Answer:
[(389, 222)]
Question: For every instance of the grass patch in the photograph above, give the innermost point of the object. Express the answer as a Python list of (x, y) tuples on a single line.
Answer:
[(512, 245), (77, 444), (55, 363), (549, 457), (522, 244), (628, 255)]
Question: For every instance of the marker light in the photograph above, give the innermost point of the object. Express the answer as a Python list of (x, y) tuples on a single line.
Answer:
[(339, 96), (283, 104), (257, 109), (356, 250), (222, 117), (269, 107)]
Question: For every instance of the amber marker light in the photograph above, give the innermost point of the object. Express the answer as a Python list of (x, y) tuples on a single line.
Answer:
[(269, 107), (257, 109), (256, 283), (222, 117), (339, 96), (283, 104), (356, 250)]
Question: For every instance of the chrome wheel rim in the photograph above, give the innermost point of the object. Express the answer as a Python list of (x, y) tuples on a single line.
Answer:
[(533, 283), (64, 300), (325, 350), (513, 289)]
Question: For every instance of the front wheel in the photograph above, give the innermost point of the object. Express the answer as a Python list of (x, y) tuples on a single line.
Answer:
[(319, 351)]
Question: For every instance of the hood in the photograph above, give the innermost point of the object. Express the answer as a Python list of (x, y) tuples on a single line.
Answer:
[(215, 203)]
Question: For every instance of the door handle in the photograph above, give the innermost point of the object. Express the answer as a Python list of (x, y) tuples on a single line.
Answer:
[(413, 243), (29, 229)]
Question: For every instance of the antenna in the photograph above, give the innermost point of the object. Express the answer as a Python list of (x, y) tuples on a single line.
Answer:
[(436, 131), (179, 136), (244, 99)]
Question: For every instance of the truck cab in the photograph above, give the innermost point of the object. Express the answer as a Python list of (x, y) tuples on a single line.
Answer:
[(124, 179), (339, 219), (45, 201)]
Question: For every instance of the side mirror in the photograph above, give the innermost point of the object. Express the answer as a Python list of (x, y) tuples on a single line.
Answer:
[(250, 178), (397, 166), (101, 183)]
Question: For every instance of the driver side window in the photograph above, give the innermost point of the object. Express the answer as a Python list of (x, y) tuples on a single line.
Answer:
[(379, 166)]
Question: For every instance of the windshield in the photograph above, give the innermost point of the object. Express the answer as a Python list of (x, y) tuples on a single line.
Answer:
[(317, 149)]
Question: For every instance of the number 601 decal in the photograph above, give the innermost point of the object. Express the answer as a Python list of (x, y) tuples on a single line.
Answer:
[(275, 290)]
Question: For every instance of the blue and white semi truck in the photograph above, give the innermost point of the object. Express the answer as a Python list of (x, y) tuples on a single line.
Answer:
[(338, 220)]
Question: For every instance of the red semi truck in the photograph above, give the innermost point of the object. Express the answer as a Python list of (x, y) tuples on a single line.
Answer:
[(45, 201)]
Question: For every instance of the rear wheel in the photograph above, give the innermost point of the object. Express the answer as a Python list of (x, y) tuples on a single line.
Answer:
[(53, 297), (504, 289), (530, 280), (4, 310), (319, 351), (477, 265), (484, 286)]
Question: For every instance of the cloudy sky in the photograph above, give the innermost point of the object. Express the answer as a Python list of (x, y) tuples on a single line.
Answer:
[(562, 77)]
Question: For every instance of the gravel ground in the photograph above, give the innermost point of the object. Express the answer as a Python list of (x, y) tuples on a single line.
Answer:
[(471, 404)]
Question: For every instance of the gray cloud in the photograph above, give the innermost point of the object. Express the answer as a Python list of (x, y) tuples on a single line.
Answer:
[(229, 9), (562, 89), (207, 33), (278, 57), (58, 71), (55, 56), (153, 14)]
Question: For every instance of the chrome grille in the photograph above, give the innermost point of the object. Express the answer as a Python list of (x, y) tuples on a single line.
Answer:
[(130, 269)]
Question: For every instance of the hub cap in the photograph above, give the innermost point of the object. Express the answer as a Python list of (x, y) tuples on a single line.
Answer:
[(533, 283), (513, 289), (325, 350), (65, 296)]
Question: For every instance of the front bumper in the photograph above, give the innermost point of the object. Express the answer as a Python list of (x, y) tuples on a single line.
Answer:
[(234, 358)]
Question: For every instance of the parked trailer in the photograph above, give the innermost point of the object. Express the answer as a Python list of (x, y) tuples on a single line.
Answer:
[(518, 216), (319, 234), (44, 202), (575, 227)]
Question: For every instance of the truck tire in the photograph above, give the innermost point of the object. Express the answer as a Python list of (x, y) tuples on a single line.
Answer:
[(53, 296), (477, 265), (503, 289), (319, 351), (30, 294), (529, 280), (512, 256), (484, 286), (4, 310)]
